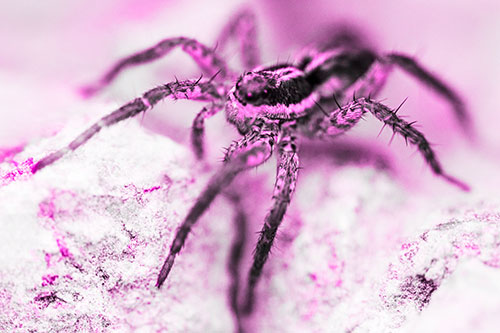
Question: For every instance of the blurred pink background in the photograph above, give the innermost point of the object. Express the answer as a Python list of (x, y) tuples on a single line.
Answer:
[(50, 48)]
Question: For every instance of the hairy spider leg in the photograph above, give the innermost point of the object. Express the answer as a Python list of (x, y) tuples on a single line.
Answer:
[(286, 178), (409, 133), (189, 89), (252, 150), (371, 83), (412, 67), (336, 123), (198, 128), (205, 57), (236, 253), (243, 26)]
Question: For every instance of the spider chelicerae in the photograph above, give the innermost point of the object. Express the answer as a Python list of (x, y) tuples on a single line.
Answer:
[(321, 95)]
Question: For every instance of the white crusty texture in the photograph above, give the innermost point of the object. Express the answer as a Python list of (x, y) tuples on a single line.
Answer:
[(83, 240)]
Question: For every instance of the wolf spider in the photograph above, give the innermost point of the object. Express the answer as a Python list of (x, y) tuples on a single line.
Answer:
[(271, 106)]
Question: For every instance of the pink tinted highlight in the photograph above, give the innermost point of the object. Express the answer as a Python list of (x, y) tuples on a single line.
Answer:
[(21, 171), (49, 279)]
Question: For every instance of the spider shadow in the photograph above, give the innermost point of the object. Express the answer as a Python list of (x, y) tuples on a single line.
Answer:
[(343, 152)]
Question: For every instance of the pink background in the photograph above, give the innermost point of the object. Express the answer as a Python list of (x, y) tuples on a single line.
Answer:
[(50, 48)]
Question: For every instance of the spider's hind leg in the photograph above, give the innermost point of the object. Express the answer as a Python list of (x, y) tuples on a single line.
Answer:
[(242, 26), (412, 67), (204, 56)]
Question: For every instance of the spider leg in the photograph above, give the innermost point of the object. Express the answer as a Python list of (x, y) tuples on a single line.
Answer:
[(412, 67), (410, 134), (189, 89), (252, 150), (237, 248), (338, 121), (198, 128), (204, 56), (370, 83), (286, 177), (244, 27)]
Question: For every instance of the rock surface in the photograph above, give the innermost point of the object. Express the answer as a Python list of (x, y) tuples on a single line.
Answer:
[(83, 241)]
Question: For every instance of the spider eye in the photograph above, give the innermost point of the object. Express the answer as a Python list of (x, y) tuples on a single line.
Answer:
[(251, 96)]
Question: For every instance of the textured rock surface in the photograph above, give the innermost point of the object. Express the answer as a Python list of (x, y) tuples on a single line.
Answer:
[(83, 241)]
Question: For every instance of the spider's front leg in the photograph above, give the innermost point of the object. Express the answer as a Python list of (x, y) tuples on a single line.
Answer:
[(198, 128), (252, 150), (286, 178), (189, 89), (408, 131), (343, 118), (204, 56), (337, 121)]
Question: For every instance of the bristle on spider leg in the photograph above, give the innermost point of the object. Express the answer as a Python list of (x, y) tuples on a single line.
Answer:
[(392, 137), (336, 101), (381, 130), (199, 79), (400, 105), (321, 108), (215, 75)]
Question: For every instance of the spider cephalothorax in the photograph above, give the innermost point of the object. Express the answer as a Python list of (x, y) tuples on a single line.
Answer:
[(277, 92), (324, 93)]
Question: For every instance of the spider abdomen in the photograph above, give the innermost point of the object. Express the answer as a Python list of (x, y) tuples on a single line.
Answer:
[(336, 69)]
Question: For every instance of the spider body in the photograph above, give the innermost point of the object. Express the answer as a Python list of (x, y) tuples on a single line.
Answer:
[(271, 106), (287, 91)]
